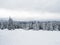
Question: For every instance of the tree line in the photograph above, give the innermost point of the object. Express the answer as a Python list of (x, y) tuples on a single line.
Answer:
[(28, 25)]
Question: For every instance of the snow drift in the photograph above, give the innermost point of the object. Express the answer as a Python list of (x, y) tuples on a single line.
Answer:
[(22, 37)]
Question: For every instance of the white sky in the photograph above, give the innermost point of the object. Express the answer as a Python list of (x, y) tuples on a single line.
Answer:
[(24, 14), (30, 9)]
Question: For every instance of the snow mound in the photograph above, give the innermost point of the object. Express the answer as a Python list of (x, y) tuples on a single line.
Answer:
[(22, 37)]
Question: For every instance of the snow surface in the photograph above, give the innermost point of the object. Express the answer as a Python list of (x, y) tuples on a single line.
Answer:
[(22, 37)]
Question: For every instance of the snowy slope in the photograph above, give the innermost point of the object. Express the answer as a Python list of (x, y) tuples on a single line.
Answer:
[(22, 37)]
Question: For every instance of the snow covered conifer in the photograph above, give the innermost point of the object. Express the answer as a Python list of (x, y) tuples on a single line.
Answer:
[(10, 24)]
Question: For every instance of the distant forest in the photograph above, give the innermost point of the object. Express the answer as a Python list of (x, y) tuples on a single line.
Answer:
[(28, 25)]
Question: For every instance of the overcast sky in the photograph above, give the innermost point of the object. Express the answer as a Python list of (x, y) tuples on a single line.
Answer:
[(27, 8)]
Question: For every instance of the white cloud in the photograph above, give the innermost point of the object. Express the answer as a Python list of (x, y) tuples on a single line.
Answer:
[(45, 5), (34, 15)]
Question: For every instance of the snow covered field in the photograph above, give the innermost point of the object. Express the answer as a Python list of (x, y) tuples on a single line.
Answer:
[(22, 37)]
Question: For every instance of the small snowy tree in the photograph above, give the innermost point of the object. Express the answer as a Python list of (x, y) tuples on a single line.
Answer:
[(10, 24)]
